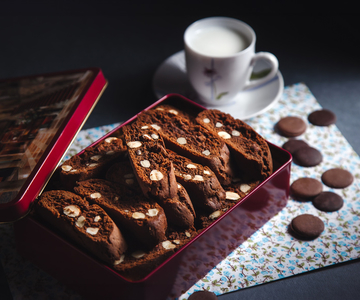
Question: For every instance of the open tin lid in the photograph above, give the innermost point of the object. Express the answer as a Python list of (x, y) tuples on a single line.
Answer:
[(39, 118)]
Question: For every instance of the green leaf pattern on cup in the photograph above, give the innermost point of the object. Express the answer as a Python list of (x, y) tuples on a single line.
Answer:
[(260, 74), (218, 97)]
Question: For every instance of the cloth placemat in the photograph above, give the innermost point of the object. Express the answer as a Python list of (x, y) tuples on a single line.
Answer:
[(270, 253)]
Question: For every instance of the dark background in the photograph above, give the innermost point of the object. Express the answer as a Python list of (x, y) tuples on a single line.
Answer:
[(315, 42)]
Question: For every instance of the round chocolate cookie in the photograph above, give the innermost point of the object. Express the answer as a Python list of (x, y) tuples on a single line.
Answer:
[(328, 201), (307, 157), (290, 126), (293, 144), (322, 117), (203, 295), (337, 178), (306, 227), (305, 189)]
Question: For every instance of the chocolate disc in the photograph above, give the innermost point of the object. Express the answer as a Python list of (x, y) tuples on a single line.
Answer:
[(323, 117), (328, 201), (307, 227), (290, 126), (307, 157), (203, 295), (337, 178), (292, 145), (305, 189)]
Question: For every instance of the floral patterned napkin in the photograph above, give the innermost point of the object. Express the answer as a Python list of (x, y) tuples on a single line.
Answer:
[(270, 253)]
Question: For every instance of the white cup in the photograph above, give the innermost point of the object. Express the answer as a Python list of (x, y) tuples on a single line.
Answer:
[(220, 56)]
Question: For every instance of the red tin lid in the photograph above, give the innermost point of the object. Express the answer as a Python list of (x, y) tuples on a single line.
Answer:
[(39, 118)]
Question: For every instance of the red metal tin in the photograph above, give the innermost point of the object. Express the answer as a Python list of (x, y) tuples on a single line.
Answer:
[(94, 280), (41, 116)]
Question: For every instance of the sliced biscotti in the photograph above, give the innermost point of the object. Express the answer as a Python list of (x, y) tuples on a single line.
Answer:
[(123, 173), (200, 182), (152, 168), (155, 173), (91, 163), (233, 194), (179, 210), (87, 225), (238, 189), (143, 218), (137, 262), (250, 150), (191, 140), (171, 110)]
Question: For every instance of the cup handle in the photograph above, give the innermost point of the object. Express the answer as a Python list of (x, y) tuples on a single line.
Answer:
[(274, 65)]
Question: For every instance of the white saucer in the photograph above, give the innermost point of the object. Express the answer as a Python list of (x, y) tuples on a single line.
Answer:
[(171, 77)]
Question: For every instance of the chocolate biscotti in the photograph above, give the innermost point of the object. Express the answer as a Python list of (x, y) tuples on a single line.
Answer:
[(137, 263), (200, 181), (87, 225), (92, 163), (250, 150), (148, 157), (191, 140), (238, 189), (143, 218), (154, 172), (123, 173), (179, 210), (171, 110)]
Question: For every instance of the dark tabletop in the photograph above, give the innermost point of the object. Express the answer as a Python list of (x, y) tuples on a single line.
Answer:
[(318, 46)]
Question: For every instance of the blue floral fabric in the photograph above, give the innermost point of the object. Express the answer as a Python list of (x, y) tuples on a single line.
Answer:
[(272, 253)]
